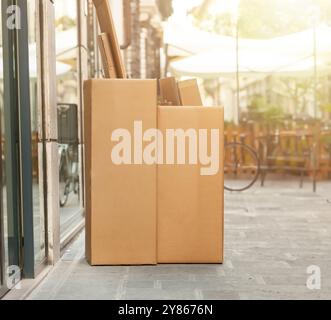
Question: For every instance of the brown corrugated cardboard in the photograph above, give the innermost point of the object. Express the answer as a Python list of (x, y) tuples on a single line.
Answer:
[(107, 26), (189, 93), (169, 92), (121, 199), (190, 206), (107, 56)]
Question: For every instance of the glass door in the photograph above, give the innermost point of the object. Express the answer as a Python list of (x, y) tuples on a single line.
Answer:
[(31, 143), (37, 145), (69, 110), (2, 251), (10, 219), (23, 233), (4, 262), (3, 259)]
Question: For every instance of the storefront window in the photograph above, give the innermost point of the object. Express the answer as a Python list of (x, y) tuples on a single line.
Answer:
[(3, 260), (68, 97), (9, 217), (37, 146)]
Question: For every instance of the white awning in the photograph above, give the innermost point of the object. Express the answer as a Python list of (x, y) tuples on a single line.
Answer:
[(61, 68), (216, 56)]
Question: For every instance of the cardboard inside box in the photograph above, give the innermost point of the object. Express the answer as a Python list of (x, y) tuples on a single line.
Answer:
[(107, 27), (190, 93), (108, 62), (169, 91)]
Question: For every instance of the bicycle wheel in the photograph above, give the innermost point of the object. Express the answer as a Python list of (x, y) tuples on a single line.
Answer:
[(64, 196), (64, 183), (241, 167)]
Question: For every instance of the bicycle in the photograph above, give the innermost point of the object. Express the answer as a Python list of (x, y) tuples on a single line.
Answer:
[(242, 167), (68, 169)]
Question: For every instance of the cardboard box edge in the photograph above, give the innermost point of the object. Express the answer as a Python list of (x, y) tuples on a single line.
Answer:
[(87, 87)]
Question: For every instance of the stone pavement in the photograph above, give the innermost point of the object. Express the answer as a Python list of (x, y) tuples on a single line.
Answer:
[(273, 235)]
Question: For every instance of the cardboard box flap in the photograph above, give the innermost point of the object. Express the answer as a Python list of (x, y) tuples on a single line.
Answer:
[(190, 93)]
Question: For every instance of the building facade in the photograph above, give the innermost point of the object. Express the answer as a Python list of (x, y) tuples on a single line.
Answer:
[(32, 227), (48, 49)]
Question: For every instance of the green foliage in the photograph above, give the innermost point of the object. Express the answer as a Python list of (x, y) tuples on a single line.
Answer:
[(268, 19), (65, 23), (326, 107), (263, 18), (260, 109), (273, 113)]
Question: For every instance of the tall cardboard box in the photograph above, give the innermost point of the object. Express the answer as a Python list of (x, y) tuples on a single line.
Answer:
[(121, 199), (191, 205)]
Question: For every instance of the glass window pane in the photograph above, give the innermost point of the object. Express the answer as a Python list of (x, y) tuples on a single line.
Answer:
[(2, 172), (68, 110), (37, 146)]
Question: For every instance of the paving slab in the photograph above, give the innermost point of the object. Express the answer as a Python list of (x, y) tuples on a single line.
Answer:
[(272, 235)]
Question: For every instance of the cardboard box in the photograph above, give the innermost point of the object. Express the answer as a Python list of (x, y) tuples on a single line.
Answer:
[(190, 205), (120, 199), (108, 63), (139, 213), (190, 93), (107, 26)]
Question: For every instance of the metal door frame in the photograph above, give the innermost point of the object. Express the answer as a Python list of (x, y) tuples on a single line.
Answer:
[(3, 288), (18, 134), (25, 142), (11, 149)]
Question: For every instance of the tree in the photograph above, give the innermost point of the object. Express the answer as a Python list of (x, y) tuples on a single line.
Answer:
[(263, 18), (300, 91)]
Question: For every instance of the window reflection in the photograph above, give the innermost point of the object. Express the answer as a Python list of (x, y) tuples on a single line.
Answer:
[(3, 202), (37, 146), (68, 110)]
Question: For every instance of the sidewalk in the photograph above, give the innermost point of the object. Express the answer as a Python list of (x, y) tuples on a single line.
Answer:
[(272, 236)]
